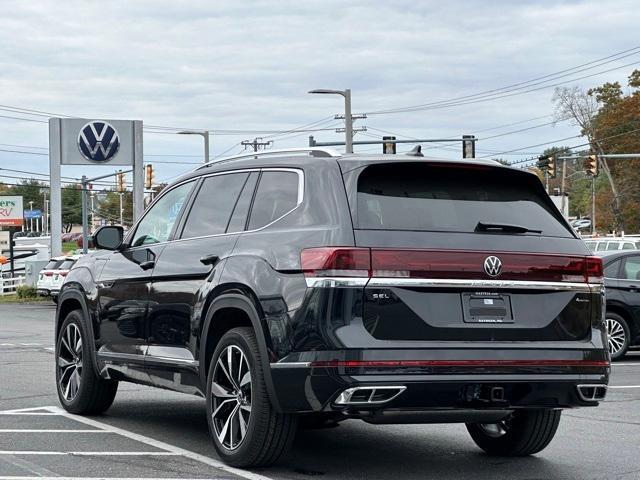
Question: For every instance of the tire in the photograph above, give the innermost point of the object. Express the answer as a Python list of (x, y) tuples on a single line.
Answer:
[(240, 402), (80, 390), (618, 335), (524, 432)]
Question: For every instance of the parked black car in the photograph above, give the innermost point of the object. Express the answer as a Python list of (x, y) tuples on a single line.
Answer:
[(622, 283), (308, 285)]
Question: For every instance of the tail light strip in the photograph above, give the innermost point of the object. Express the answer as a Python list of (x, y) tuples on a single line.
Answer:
[(348, 266), (457, 363)]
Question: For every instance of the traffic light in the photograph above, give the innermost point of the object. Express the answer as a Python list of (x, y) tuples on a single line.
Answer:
[(387, 145), (548, 165), (148, 179), (120, 182), (551, 168), (591, 165)]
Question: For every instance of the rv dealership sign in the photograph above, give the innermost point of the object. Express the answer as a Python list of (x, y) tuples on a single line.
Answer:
[(11, 211)]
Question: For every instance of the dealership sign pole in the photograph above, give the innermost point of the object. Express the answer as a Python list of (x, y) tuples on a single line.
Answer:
[(78, 141)]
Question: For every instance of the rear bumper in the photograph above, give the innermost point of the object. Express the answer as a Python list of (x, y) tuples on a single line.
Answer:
[(43, 292), (437, 390)]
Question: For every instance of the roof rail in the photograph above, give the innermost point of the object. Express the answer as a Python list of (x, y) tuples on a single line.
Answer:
[(313, 151)]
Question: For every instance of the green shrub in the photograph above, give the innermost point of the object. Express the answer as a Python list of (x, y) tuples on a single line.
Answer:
[(26, 291)]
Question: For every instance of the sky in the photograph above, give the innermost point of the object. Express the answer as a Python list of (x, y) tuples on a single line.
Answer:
[(242, 69)]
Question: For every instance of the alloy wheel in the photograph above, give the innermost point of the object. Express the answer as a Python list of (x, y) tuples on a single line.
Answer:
[(70, 362), (615, 335), (231, 397)]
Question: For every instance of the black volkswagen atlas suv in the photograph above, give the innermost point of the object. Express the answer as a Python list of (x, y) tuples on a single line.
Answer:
[(304, 286)]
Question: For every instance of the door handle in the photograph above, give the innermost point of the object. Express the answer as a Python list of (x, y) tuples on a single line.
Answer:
[(147, 265), (633, 288), (209, 259)]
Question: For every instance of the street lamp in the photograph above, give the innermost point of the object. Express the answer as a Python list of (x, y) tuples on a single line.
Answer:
[(205, 135), (348, 121)]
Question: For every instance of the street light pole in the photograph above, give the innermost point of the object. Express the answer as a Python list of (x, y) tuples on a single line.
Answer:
[(205, 135), (348, 119)]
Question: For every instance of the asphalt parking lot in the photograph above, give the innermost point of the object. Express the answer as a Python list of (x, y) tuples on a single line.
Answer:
[(151, 433)]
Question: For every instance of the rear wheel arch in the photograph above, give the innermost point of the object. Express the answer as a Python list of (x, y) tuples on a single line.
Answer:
[(225, 312)]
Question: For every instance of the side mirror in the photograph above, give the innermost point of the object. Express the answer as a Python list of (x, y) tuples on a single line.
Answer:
[(108, 237)]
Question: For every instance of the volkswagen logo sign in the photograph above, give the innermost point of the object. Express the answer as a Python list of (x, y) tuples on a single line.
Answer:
[(98, 141), (493, 266)]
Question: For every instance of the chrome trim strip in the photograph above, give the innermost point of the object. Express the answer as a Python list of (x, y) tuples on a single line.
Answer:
[(330, 282), (171, 361), (324, 282), (290, 365), (122, 357), (457, 283)]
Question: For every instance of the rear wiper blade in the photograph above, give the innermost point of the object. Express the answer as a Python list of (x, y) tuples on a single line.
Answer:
[(503, 227)]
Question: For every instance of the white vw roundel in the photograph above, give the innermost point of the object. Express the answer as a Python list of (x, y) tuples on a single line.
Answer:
[(98, 141), (493, 266)]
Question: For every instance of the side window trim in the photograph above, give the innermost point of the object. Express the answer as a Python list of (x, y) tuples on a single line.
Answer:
[(235, 205), (174, 237), (253, 199), (131, 234), (176, 234)]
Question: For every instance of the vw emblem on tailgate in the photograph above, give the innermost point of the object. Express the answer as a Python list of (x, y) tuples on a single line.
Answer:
[(98, 141), (493, 266)]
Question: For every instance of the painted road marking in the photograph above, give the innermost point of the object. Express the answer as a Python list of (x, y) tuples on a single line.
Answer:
[(625, 386), (94, 478), (88, 454), (24, 430), (168, 449)]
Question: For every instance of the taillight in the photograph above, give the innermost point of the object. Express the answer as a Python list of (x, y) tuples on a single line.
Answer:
[(48, 274), (336, 262), (64, 273), (594, 271), (447, 264)]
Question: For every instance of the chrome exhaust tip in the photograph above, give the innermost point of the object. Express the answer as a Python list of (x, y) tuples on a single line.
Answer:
[(369, 395), (592, 393)]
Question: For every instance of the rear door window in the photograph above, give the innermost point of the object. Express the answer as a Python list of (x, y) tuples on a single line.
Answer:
[(276, 196), (628, 246), (631, 269), (613, 246), (424, 197), (213, 205), (611, 270)]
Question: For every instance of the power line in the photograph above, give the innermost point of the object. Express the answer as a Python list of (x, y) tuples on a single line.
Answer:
[(495, 93)]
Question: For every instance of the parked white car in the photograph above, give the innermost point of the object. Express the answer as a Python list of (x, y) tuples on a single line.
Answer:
[(53, 275), (60, 274), (45, 277), (608, 244)]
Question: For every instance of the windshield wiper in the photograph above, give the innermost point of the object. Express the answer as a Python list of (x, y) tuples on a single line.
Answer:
[(503, 227)]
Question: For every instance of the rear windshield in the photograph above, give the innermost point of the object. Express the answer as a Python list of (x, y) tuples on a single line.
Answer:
[(53, 264), (66, 265), (409, 196)]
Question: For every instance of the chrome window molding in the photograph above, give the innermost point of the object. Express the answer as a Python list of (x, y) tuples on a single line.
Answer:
[(300, 199)]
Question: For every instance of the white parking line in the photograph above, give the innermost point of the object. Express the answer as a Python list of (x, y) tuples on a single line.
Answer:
[(23, 430), (637, 364), (625, 386), (168, 449), (89, 454), (91, 478)]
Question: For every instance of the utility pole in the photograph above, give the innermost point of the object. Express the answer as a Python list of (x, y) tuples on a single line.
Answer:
[(593, 205), (45, 222), (30, 217), (256, 143), (562, 185)]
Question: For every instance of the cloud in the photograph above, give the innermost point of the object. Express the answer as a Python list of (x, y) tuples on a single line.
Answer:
[(248, 65)]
